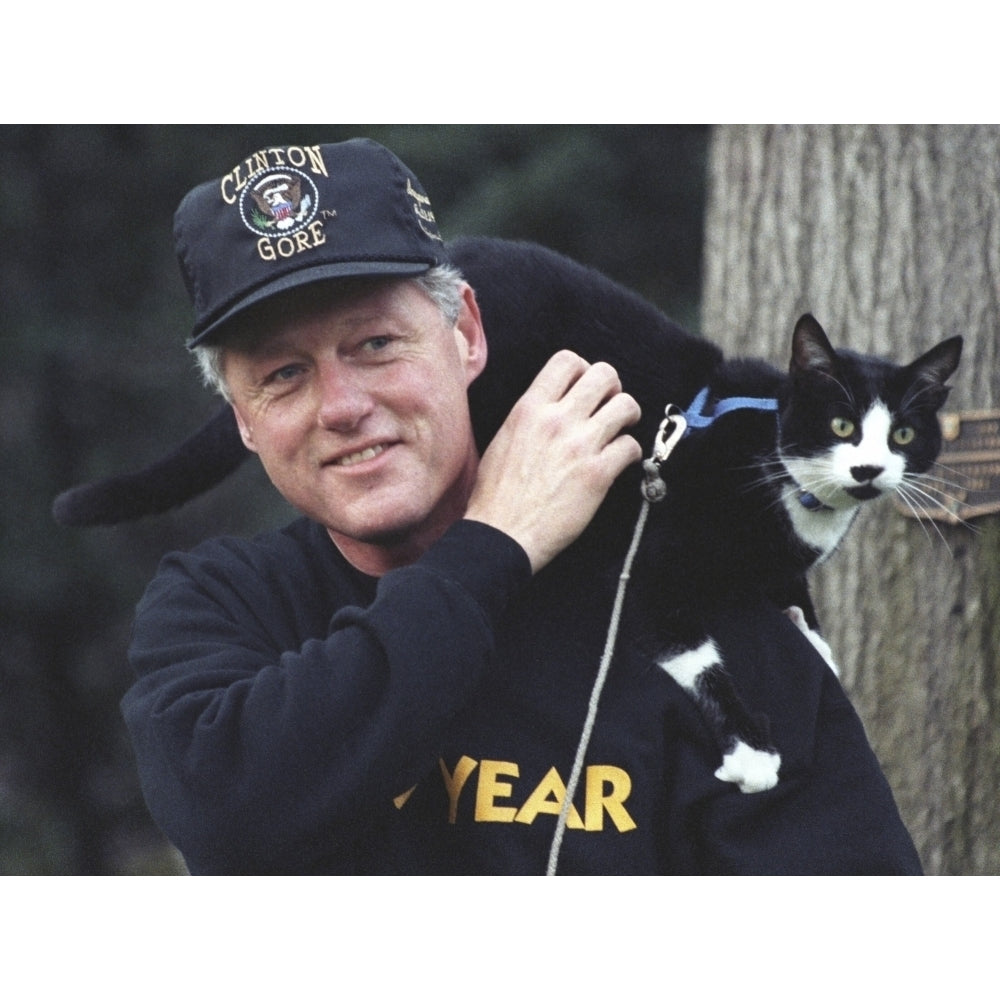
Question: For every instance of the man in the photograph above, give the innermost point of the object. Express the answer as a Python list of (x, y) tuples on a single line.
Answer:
[(397, 681)]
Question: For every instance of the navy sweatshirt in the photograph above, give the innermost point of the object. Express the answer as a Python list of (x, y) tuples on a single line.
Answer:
[(293, 715)]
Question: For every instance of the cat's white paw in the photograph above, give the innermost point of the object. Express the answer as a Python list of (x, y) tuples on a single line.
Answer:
[(820, 644), (753, 770), (797, 617)]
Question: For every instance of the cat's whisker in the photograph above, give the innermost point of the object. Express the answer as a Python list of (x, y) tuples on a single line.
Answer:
[(912, 394), (762, 463), (768, 479), (912, 495), (930, 484), (781, 498), (952, 470), (819, 482), (916, 489), (937, 484), (848, 394), (917, 509)]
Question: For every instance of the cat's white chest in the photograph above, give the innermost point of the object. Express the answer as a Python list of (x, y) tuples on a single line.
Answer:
[(822, 529)]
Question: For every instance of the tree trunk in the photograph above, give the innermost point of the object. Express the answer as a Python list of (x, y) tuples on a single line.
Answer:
[(891, 237)]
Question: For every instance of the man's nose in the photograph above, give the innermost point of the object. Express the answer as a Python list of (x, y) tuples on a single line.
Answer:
[(344, 399)]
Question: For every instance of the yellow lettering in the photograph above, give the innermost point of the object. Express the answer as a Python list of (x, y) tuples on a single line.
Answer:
[(286, 246), (606, 789), (236, 182), (454, 783), (228, 197), (297, 156), (316, 159), (490, 789), (400, 800), (424, 214), (316, 228), (265, 249), (598, 802), (548, 797), (415, 194)]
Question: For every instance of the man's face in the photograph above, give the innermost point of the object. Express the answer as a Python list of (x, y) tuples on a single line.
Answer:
[(358, 410)]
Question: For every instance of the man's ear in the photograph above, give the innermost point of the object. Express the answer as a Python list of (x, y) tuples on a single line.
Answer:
[(246, 432), (470, 336)]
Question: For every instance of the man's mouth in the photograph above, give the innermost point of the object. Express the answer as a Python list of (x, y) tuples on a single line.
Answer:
[(359, 456)]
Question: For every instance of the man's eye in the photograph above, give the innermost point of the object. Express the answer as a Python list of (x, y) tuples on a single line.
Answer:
[(377, 343), (284, 374)]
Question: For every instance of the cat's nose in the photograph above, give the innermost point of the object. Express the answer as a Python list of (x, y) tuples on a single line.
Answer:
[(866, 473)]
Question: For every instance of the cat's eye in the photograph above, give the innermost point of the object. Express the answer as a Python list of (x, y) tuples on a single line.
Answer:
[(903, 435), (842, 427)]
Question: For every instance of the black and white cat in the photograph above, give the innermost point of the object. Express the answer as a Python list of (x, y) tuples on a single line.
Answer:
[(759, 495), (755, 497)]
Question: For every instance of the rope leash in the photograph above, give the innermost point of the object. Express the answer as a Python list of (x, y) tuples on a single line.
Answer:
[(654, 490)]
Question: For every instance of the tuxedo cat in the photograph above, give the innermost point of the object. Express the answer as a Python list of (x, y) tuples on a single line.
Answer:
[(764, 492), (754, 497)]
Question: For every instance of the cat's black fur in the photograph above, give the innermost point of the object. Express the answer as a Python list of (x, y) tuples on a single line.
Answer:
[(758, 497), (723, 527), (533, 302)]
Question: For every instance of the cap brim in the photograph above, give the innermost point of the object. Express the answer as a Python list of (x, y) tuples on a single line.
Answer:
[(323, 272)]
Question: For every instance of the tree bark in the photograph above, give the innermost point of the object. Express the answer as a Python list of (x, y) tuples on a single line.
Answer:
[(890, 235)]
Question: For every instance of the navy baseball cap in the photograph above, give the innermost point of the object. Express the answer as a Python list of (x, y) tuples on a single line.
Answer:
[(290, 215)]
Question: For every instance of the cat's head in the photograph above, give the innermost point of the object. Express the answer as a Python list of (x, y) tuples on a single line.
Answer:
[(853, 427)]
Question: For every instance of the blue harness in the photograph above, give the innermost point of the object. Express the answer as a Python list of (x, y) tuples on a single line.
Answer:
[(698, 419)]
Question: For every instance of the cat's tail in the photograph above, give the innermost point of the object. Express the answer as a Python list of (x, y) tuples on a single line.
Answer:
[(534, 302), (212, 453)]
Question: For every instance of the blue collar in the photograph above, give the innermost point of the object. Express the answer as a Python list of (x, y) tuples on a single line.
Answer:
[(697, 418), (810, 501)]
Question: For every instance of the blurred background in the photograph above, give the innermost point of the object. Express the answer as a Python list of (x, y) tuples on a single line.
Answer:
[(95, 381)]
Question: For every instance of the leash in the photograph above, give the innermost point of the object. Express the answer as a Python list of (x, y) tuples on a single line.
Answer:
[(677, 423), (654, 489)]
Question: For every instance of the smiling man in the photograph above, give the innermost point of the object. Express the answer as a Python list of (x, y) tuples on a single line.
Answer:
[(351, 401), (396, 681)]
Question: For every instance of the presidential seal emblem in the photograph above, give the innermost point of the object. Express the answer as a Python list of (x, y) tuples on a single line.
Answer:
[(278, 202)]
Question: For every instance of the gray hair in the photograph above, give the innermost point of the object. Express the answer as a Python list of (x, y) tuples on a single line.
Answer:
[(442, 284)]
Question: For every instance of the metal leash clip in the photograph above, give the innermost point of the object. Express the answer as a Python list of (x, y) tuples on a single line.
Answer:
[(672, 429)]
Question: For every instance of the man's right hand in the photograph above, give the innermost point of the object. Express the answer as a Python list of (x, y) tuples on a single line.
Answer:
[(554, 459)]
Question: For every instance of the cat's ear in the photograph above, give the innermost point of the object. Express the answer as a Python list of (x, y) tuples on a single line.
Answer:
[(811, 351), (939, 363)]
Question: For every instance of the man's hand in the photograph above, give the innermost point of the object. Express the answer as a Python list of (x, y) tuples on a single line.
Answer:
[(554, 459)]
